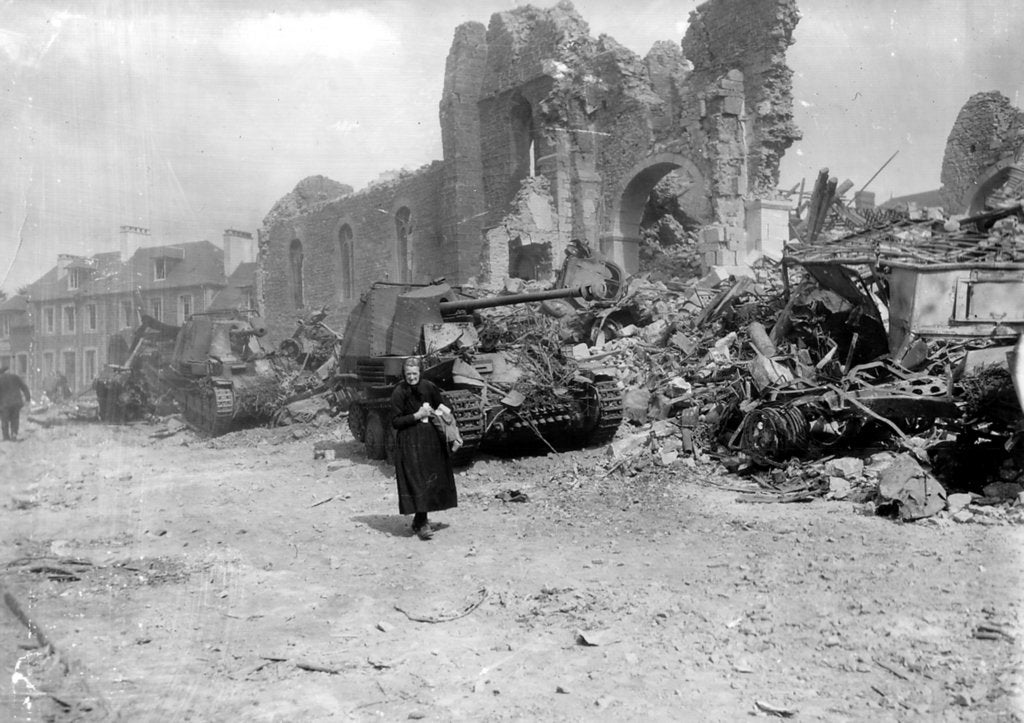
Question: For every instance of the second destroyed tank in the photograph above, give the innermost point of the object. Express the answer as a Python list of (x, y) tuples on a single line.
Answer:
[(220, 375)]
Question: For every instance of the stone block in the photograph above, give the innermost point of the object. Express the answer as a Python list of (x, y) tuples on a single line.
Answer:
[(845, 467), (957, 502), (732, 105), (713, 235), (1003, 490)]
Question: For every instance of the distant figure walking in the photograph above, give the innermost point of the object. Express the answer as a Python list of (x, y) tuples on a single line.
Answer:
[(423, 465), (12, 392)]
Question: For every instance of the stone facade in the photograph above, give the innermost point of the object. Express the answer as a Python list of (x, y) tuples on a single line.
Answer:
[(68, 321), (548, 134), (984, 145)]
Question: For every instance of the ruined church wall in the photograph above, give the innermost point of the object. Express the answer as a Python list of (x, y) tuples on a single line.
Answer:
[(371, 215), (751, 37)]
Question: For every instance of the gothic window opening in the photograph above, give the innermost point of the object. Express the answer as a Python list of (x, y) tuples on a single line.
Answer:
[(295, 262), (525, 141), (346, 265), (403, 248)]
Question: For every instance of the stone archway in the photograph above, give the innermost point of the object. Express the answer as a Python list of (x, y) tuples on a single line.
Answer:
[(1005, 177), (621, 242)]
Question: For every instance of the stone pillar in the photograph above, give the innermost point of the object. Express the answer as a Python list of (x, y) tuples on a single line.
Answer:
[(767, 230)]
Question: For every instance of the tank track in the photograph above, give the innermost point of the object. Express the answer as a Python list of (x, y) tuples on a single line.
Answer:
[(468, 412), (609, 407)]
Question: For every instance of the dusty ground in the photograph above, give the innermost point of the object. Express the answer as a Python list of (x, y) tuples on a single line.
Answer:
[(187, 580)]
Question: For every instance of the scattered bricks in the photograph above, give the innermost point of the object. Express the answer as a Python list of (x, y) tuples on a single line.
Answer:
[(628, 445), (718, 274), (963, 515), (957, 502), (683, 343), (1003, 490), (845, 467)]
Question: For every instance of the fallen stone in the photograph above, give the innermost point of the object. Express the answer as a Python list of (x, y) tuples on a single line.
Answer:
[(338, 464), (845, 467), (717, 274), (917, 493), (1003, 490), (963, 515), (838, 487), (628, 445), (957, 502)]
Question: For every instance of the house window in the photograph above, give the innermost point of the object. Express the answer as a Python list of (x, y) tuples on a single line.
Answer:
[(346, 268), (90, 317), (156, 309), (295, 257), (184, 308), (159, 269), (69, 319), (49, 320), (48, 368), (127, 314), (403, 250), (250, 300), (23, 364), (69, 368), (89, 363), (74, 278), (5, 361), (5, 326)]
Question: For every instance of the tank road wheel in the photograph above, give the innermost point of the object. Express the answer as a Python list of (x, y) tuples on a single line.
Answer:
[(357, 421), (374, 436)]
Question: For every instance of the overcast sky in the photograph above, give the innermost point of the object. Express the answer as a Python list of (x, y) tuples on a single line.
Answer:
[(192, 117)]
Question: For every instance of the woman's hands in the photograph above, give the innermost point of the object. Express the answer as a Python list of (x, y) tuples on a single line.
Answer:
[(423, 412)]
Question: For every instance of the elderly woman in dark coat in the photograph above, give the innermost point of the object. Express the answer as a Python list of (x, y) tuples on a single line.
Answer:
[(423, 464)]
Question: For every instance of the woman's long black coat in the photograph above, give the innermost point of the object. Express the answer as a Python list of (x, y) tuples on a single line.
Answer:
[(423, 466)]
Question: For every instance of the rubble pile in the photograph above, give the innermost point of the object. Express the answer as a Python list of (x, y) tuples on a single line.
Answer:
[(785, 373)]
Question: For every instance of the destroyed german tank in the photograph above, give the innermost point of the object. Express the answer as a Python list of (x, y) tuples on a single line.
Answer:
[(439, 323), (212, 367), (220, 374)]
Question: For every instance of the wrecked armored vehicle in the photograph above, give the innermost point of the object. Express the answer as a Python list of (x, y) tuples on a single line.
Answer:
[(220, 374), (484, 387), (129, 389)]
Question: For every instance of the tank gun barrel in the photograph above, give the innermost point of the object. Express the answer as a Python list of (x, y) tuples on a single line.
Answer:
[(510, 299)]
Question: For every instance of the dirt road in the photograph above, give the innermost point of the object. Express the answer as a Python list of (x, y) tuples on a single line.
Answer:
[(236, 579)]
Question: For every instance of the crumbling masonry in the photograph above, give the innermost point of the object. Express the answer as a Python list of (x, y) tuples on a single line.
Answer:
[(548, 135), (984, 154)]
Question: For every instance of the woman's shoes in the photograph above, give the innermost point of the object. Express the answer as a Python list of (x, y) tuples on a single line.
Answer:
[(425, 532)]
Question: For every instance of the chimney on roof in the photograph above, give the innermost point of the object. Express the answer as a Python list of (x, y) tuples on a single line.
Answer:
[(132, 238), (239, 248), (63, 261)]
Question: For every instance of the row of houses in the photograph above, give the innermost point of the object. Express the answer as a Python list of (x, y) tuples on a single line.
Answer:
[(61, 331)]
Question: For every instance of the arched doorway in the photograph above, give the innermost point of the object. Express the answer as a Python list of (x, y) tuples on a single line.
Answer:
[(662, 185)]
